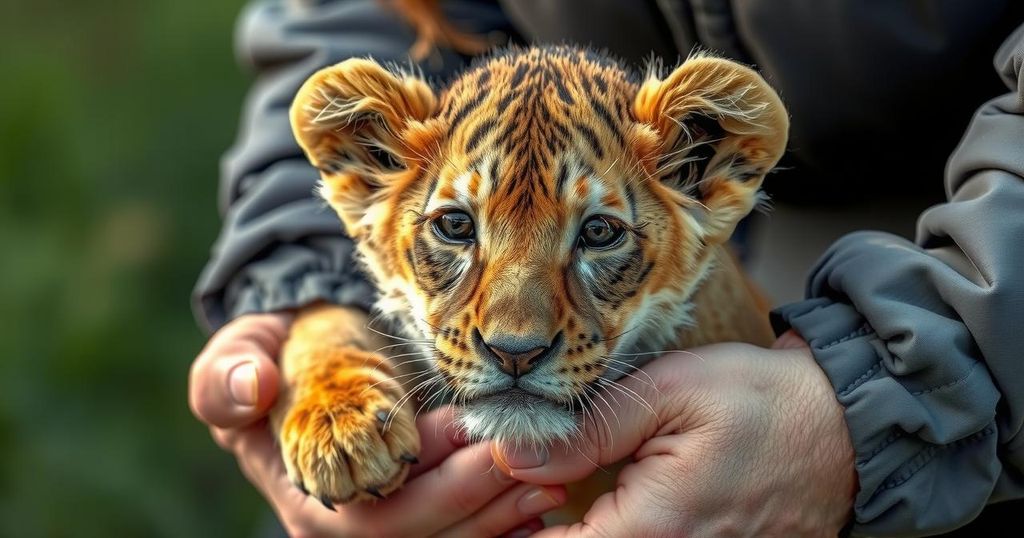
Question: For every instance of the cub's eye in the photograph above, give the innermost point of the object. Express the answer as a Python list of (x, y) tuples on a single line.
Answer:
[(454, 227), (601, 232)]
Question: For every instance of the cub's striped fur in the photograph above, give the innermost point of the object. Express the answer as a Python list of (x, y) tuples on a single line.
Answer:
[(535, 230)]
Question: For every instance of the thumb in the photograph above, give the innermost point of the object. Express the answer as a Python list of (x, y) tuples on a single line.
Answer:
[(622, 416), (234, 380)]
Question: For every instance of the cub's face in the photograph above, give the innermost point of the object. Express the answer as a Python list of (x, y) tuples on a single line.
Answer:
[(543, 221)]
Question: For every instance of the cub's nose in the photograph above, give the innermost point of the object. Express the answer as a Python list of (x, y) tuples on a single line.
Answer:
[(516, 355), (516, 364)]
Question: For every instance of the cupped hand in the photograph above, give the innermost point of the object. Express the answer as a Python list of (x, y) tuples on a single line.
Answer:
[(727, 440), (454, 490)]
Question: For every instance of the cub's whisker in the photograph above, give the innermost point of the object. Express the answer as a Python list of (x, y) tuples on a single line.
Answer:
[(413, 361), (404, 399), (431, 325), (587, 414), (609, 339), (410, 354), (395, 378), (579, 436), (607, 425), (630, 394), (445, 389), (394, 337), (426, 356), (632, 368), (400, 344), (426, 404), (667, 351), (625, 373)]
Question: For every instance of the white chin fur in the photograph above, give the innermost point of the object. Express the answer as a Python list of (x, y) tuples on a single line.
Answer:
[(529, 421)]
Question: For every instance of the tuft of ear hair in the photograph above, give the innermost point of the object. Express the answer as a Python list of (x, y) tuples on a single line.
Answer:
[(718, 128), (361, 126)]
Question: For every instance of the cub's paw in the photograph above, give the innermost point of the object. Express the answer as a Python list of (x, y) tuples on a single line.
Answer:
[(343, 439)]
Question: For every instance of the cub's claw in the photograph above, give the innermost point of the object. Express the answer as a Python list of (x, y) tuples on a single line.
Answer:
[(333, 439)]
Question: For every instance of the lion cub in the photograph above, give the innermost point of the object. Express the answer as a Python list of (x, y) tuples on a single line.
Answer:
[(530, 228)]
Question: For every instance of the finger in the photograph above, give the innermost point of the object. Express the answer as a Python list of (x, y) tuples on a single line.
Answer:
[(518, 506), (600, 521), (224, 437), (266, 331), (529, 528), (233, 390), (623, 416), (615, 434), (235, 379), (440, 497), (260, 461), (439, 438), (453, 490)]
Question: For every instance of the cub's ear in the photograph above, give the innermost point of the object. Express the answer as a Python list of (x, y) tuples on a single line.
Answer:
[(715, 129), (361, 125)]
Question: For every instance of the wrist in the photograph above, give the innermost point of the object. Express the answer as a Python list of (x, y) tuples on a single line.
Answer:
[(834, 448)]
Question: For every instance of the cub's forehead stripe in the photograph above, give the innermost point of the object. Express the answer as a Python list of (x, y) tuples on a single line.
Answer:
[(430, 193), (479, 132), (631, 200), (492, 174), (563, 174), (466, 189), (588, 191)]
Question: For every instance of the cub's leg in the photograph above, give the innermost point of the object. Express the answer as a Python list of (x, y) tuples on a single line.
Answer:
[(335, 419)]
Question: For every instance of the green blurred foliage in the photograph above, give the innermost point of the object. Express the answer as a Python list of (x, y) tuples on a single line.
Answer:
[(112, 118)]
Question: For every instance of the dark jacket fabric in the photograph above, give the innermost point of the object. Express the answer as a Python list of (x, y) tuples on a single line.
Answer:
[(280, 246), (922, 340)]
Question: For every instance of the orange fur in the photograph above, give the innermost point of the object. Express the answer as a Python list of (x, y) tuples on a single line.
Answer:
[(332, 440), (529, 144), (433, 30)]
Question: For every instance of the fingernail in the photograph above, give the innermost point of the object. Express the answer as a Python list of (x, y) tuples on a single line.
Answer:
[(536, 501), (525, 458), (243, 383)]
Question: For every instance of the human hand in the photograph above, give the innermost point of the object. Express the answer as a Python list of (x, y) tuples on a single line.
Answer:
[(454, 490), (738, 441)]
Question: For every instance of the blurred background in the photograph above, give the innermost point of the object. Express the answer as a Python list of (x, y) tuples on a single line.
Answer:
[(112, 120)]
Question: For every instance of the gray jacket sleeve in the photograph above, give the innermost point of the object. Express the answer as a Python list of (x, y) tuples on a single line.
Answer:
[(924, 341), (280, 246)]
